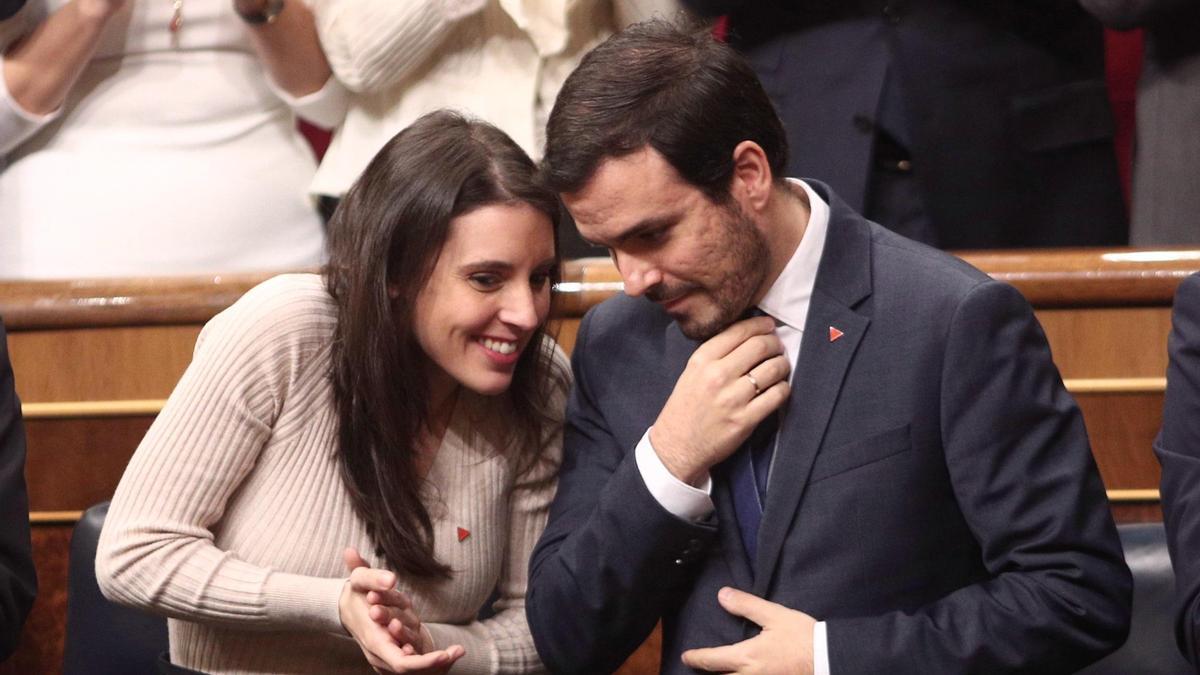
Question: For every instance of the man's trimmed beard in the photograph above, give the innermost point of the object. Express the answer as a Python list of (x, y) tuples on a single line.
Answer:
[(739, 257)]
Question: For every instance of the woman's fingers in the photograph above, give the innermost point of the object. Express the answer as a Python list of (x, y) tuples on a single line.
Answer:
[(419, 663), (366, 579), (352, 559), (390, 597)]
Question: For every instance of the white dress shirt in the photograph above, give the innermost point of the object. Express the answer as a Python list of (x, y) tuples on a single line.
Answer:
[(787, 302)]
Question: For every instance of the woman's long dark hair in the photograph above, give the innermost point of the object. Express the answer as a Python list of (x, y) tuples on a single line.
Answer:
[(386, 235)]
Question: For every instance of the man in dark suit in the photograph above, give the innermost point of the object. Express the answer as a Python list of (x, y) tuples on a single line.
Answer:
[(959, 123), (1178, 450), (928, 503), (18, 582)]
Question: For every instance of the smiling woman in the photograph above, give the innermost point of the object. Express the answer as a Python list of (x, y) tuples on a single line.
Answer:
[(486, 297), (369, 453)]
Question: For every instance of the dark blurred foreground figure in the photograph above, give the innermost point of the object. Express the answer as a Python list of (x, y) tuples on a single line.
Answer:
[(889, 477), (18, 582), (959, 123), (1167, 150), (1178, 450)]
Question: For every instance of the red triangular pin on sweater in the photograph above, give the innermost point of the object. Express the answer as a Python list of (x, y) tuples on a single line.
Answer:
[(463, 533), (834, 334)]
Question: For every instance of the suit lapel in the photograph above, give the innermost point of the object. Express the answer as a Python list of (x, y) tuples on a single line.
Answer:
[(843, 280), (820, 371)]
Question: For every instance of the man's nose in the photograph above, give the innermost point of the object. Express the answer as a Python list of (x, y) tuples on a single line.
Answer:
[(638, 274)]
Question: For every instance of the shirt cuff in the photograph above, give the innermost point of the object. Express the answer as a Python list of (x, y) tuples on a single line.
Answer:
[(325, 107), (820, 649), (677, 497)]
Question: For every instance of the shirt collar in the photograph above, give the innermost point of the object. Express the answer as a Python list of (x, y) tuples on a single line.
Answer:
[(788, 298)]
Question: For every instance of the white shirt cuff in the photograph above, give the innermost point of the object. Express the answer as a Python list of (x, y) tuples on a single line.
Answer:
[(677, 497), (325, 107), (820, 649)]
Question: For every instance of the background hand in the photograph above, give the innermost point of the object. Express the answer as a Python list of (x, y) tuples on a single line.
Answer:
[(785, 644), (371, 610), (714, 406)]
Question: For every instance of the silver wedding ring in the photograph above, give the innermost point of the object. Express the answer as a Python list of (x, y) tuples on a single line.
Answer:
[(754, 381)]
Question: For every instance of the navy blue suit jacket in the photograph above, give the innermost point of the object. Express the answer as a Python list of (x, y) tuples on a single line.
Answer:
[(1001, 103), (933, 496), (1178, 450)]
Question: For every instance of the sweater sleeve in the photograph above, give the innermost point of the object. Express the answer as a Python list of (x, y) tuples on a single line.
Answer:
[(156, 550), (503, 643), (375, 44)]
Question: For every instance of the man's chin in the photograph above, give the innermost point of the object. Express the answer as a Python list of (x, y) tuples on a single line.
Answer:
[(698, 329), (699, 318)]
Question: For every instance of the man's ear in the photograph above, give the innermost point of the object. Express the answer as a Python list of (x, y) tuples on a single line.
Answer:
[(752, 180)]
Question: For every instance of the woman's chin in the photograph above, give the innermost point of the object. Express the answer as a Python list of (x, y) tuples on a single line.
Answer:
[(492, 384)]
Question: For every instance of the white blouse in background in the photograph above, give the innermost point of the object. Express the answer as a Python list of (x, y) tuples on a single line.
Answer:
[(499, 60), (173, 154)]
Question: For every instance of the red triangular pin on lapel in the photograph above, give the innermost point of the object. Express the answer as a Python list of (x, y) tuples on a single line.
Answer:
[(463, 533), (834, 334)]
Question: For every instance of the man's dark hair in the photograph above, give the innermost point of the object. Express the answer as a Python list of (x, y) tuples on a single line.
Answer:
[(689, 97)]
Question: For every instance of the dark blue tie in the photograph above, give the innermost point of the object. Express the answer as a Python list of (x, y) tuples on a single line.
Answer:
[(748, 472)]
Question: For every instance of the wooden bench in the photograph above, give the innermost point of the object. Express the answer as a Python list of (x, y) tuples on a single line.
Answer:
[(94, 361)]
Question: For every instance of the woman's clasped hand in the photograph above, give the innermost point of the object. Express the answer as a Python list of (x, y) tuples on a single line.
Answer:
[(383, 622)]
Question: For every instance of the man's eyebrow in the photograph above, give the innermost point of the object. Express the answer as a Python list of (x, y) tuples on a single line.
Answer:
[(646, 225)]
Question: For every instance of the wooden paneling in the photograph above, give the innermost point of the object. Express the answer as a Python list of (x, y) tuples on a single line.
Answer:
[(1090, 277), (563, 330), (644, 661), (1122, 428), (41, 648), (31, 305), (1108, 341), (74, 463), (1148, 512), (100, 363)]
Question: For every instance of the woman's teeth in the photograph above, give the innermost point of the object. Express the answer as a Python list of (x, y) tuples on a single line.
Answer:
[(498, 346)]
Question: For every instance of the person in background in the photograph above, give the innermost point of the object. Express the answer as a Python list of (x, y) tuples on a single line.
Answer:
[(158, 138), (801, 441), (500, 60), (400, 414), (957, 123), (1178, 451), (18, 580), (1167, 145)]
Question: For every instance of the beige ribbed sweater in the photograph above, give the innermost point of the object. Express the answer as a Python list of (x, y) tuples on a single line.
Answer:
[(231, 517)]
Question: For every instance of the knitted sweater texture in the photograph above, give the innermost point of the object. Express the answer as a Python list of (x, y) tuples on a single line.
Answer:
[(232, 516)]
